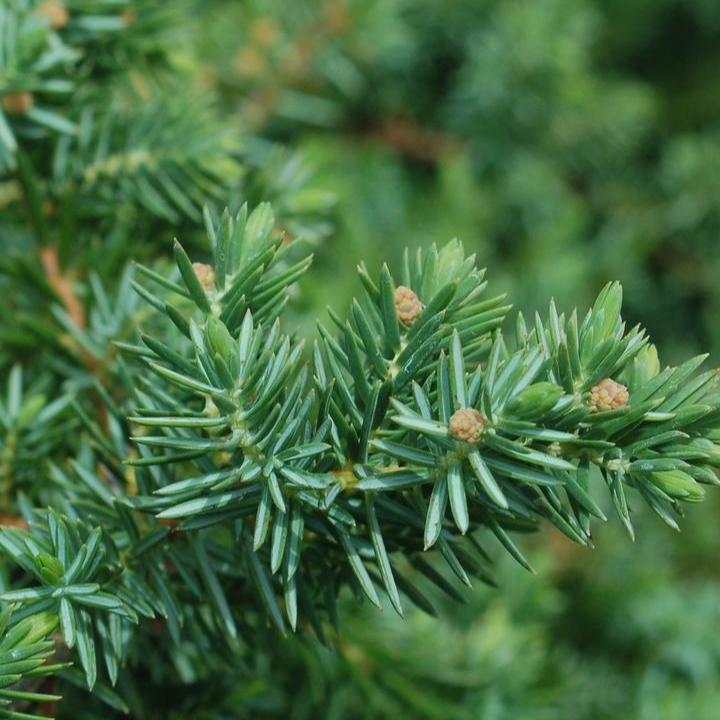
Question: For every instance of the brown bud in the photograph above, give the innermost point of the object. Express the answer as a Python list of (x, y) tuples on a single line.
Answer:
[(205, 274), (467, 424), (608, 395), (17, 103), (55, 13), (407, 305)]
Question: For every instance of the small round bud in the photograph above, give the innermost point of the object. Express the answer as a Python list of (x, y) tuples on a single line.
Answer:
[(467, 424), (608, 395), (407, 305), (17, 103), (55, 13), (205, 274)]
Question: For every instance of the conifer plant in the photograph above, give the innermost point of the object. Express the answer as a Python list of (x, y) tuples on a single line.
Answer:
[(229, 478), (182, 475)]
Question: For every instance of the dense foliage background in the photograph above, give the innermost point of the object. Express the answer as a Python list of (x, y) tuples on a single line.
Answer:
[(566, 142)]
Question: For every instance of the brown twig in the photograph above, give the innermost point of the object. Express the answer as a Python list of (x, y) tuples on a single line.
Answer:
[(62, 285), (408, 138)]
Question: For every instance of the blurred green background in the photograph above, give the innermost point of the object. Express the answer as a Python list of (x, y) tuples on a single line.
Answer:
[(566, 142)]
